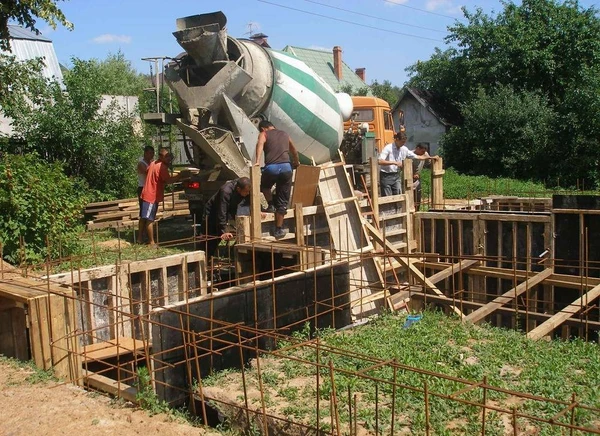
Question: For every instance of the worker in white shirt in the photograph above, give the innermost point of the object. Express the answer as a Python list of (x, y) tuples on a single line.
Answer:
[(390, 163)]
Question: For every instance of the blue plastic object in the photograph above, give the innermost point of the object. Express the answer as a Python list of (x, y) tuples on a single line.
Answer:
[(410, 320)]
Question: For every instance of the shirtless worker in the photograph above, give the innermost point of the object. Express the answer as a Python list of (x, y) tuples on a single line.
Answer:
[(277, 171)]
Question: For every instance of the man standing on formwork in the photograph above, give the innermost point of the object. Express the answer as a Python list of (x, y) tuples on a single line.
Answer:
[(390, 162), (277, 171)]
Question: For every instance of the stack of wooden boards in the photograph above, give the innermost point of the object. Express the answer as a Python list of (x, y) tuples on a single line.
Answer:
[(125, 212)]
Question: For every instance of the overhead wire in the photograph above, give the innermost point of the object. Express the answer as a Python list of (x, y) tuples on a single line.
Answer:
[(350, 22), (420, 10), (373, 16)]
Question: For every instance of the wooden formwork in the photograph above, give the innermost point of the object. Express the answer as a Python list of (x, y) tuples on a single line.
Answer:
[(538, 271), (109, 298), (37, 322)]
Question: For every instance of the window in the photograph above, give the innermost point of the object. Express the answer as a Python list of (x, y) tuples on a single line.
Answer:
[(364, 115), (387, 119)]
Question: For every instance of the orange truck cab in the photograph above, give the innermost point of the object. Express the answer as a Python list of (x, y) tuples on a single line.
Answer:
[(377, 114)]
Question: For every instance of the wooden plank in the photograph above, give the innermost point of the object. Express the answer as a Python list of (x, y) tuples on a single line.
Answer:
[(39, 334), (437, 183), (507, 297), (462, 266), (299, 224), (255, 215), (306, 181), (62, 326), (408, 263), (374, 173), (348, 235), (549, 325), (110, 386), (112, 348)]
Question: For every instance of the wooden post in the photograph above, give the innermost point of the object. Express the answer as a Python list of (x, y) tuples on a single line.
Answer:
[(242, 228), (299, 220), (408, 184), (374, 170), (437, 183), (409, 203), (255, 219)]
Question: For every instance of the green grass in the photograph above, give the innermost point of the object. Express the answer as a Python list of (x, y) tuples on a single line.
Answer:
[(444, 345), (460, 186), (93, 254)]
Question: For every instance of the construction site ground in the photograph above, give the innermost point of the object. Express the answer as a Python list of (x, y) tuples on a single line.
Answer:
[(31, 404)]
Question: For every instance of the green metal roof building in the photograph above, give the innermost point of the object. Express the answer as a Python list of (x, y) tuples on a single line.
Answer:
[(323, 63)]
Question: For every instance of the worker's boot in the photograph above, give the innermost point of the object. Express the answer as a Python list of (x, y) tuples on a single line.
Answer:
[(279, 232)]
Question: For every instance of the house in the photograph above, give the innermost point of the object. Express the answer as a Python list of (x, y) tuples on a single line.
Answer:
[(426, 118), (331, 68), (26, 45)]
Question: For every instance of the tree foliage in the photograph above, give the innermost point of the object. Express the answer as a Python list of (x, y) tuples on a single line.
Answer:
[(386, 91), (40, 208), (509, 120), (541, 48), (69, 126), (25, 12)]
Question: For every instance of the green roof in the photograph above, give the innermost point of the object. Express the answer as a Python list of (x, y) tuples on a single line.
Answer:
[(321, 63)]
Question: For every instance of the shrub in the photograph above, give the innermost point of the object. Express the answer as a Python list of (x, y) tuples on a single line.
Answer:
[(39, 205)]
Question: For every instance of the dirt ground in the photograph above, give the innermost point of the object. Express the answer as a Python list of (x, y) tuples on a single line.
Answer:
[(51, 408)]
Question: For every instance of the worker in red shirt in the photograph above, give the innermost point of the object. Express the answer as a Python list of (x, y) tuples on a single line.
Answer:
[(154, 190)]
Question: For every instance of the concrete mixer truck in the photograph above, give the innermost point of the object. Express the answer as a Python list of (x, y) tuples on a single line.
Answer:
[(226, 86)]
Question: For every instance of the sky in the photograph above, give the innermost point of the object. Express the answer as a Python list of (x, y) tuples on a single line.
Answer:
[(383, 36)]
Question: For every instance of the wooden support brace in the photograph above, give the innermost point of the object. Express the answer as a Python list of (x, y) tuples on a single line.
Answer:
[(507, 297), (549, 325), (406, 261), (453, 269)]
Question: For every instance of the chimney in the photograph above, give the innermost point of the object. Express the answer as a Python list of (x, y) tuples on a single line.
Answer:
[(337, 62), (360, 72)]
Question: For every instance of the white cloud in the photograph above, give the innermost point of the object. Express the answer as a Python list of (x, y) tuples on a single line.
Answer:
[(393, 3), (319, 47), (108, 38)]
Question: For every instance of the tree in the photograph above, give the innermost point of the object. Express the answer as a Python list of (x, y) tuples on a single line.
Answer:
[(386, 91), (497, 137), (69, 127), (24, 12), (40, 208), (543, 47), (20, 81)]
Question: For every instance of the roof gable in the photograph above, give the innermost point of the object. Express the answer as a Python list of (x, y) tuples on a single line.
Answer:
[(321, 62), (447, 113)]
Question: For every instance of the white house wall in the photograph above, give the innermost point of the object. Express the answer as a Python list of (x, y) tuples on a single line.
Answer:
[(421, 125)]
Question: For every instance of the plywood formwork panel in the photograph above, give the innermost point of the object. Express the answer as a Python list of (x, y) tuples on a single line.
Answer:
[(348, 235), (110, 297), (50, 324)]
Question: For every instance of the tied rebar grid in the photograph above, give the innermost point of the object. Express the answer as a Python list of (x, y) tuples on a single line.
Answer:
[(195, 349)]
